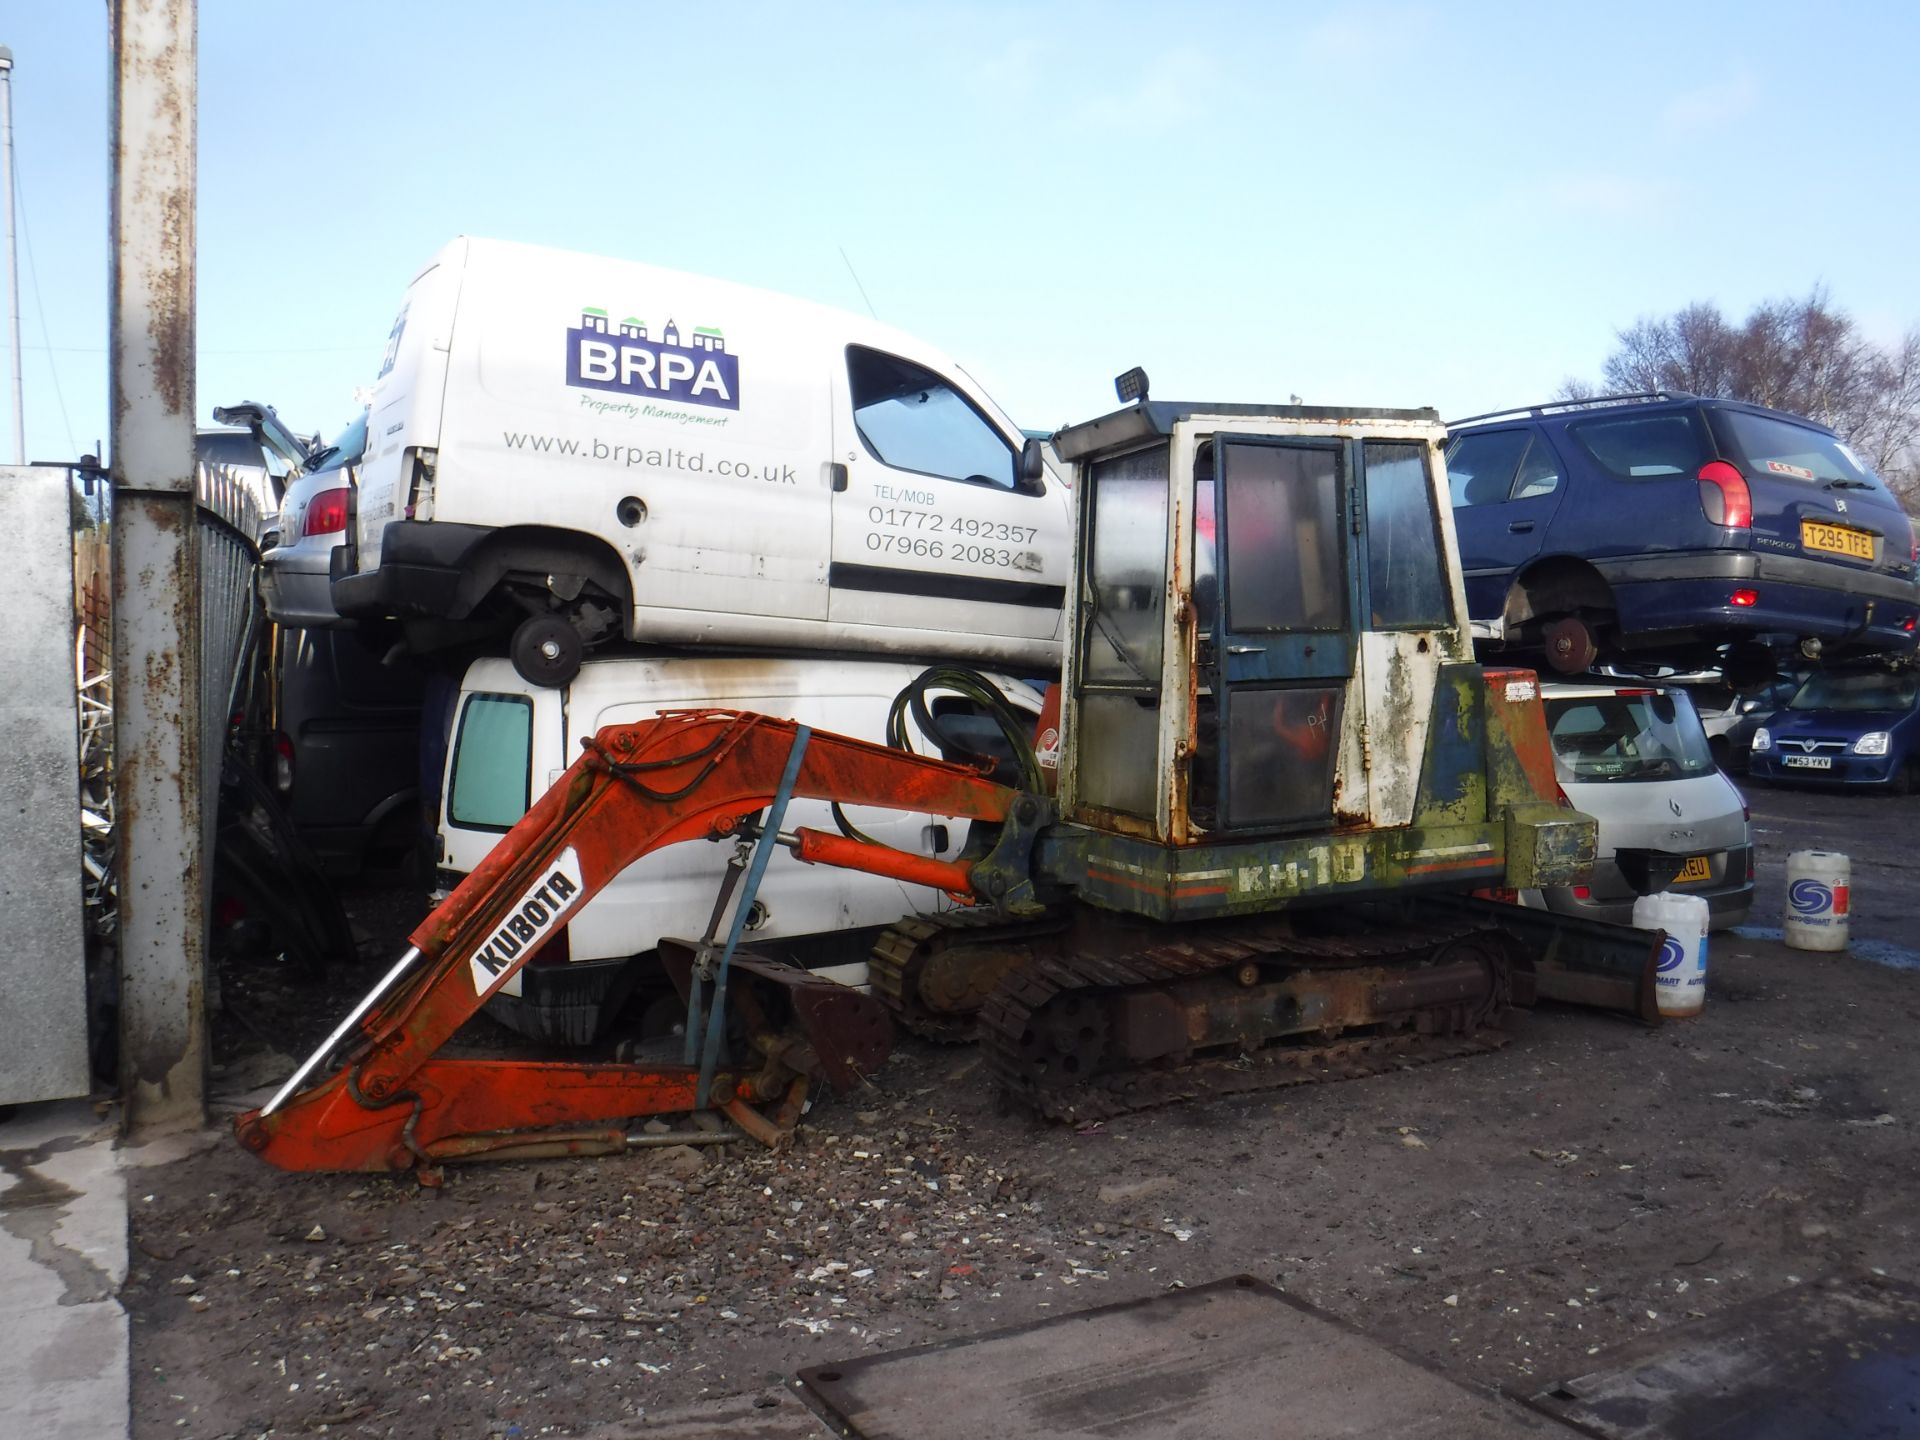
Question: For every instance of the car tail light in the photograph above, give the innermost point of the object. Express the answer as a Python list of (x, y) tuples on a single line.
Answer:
[(1745, 599), (1907, 624), (326, 512), (1583, 892), (1725, 497), (282, 762)]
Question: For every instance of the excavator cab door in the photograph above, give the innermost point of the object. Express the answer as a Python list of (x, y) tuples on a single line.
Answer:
[(1281, 623)]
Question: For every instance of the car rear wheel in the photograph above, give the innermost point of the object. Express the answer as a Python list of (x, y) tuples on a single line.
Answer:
[(1571, 645)]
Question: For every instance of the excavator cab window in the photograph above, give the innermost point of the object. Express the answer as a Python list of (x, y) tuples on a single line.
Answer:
[(1283, 646), (1406, 581), (1123, 610)]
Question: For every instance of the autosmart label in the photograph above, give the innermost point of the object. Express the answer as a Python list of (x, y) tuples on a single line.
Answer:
[(1816, 903), (535, 916), (691, 368), (1672, 955)]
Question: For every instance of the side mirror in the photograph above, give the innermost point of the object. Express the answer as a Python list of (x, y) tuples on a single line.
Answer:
[(1032, 466)]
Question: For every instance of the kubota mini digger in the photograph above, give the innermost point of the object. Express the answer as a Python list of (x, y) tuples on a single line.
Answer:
[(1279, 776)]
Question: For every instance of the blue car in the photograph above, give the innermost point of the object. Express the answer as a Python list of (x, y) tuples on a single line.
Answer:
[(1845, 728), (1660, 527)]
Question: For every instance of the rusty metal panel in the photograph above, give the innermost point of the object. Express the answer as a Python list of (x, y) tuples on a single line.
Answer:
[(1234, 1360), (43, 1002), (159, 735)]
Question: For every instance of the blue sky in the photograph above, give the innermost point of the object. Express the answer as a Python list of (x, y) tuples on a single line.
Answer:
[(1372, 203)]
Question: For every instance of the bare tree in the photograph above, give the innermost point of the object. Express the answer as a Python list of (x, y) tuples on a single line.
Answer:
[(1805, 356)]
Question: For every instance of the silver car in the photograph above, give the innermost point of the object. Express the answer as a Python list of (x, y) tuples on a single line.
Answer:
[(1636, 759), (314, 515)]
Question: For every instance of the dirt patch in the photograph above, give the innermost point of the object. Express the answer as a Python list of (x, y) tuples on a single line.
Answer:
[(1505, 1216)]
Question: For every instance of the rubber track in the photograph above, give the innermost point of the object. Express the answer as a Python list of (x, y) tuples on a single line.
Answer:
[(1005, 1015), (894, 963)]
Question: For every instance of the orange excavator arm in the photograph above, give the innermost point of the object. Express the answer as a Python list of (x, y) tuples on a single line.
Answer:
[(684, 776)]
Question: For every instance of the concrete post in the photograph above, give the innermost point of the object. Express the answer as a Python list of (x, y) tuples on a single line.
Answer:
[(156, 640)]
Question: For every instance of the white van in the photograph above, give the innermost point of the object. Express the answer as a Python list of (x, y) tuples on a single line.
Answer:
[(568, 449), (509, 739)]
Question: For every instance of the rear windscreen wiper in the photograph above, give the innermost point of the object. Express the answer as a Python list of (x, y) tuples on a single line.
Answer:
[(1845, 484)]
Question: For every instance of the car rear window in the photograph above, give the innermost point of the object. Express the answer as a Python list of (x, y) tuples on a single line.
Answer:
[(1634, 735), (1866, 690), (1645, 447), (1765, 445)]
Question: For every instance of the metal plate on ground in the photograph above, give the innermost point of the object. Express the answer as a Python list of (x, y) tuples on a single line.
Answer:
[(1811, 1363), (1224, 1361)]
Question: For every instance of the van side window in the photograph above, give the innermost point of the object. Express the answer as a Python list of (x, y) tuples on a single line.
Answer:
[(911, 419), (492, 757)]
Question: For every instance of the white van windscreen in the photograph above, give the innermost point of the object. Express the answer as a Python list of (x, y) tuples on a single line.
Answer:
[(491, 758)]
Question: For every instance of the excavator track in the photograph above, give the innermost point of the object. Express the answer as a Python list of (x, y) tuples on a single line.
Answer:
[(911, 950), (1438, 1032)]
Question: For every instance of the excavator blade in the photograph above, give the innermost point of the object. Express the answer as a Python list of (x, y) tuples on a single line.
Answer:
[(1578, 961)]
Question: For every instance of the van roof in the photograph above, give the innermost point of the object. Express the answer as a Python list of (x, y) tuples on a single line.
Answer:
[(480, 253)]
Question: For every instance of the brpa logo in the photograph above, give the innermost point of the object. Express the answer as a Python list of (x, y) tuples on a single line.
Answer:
[(692, 370), (1672, 953), (1809, 897)]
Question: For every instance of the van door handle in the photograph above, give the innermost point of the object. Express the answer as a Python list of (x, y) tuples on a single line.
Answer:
[(1520, 527), (837, 474), (1246, 649)]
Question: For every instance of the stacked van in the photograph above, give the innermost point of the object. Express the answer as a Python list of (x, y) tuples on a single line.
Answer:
[(565, 450), (509, 739)]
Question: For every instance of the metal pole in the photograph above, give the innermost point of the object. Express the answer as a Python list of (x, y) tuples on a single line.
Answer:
[(156, 582), (13, 259)]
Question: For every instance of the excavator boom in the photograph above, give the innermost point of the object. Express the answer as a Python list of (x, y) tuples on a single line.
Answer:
[(686, 775)]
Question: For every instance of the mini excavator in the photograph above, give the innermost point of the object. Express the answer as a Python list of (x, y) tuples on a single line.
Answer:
[(1282, 797)]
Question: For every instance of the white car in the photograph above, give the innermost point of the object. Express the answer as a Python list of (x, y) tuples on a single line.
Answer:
[(314, 515), (1636, 758)]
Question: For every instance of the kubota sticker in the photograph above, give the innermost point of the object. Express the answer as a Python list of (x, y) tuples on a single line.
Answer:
[(535, 916)]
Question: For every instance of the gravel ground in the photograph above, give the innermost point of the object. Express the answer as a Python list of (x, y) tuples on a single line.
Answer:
[(1507, 1216)]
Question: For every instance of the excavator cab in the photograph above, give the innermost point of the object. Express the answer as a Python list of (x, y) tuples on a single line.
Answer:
[(1269, 594), (1270, 698)]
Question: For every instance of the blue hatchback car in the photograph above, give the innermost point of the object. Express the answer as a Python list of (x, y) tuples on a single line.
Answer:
[(1659, 527), (1845, 728)]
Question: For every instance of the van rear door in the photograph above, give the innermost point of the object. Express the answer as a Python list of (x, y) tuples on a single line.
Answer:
[(408, 396), (933, 528)]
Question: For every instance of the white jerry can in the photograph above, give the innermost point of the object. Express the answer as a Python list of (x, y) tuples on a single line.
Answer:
[(1681, 980), (1819, 899)]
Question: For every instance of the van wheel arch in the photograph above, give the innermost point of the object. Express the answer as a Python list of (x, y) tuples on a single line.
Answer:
[(519, 561)]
